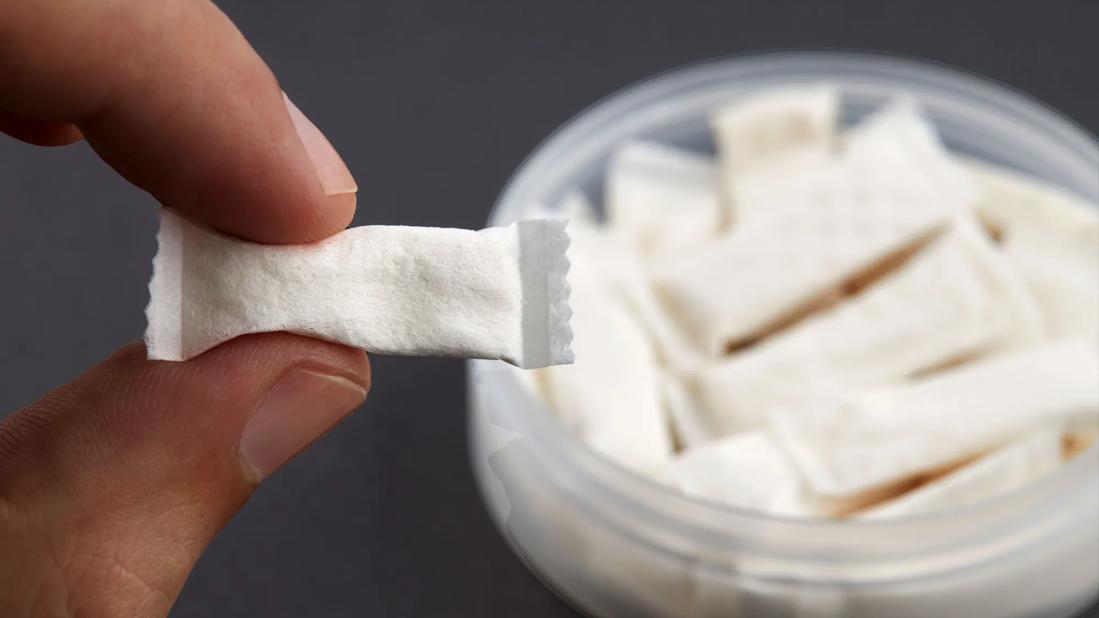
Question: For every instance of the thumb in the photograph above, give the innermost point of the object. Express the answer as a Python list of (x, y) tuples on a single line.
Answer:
[(111, 487)]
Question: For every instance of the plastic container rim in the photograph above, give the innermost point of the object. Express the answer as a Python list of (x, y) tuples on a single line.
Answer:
[(586, 134)]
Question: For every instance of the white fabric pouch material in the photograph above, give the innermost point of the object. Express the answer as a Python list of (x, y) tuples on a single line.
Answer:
[(957, 297), (664, 198), (893, 185), (771, 138), (620, 268), (498, 293), (731, 290), (1053, 239), (777, 127), (611, 396), (875, 438), (1003, 470), (747, 470)]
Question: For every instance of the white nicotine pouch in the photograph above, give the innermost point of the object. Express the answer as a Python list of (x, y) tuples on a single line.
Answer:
[(893, 187), (999, 472), (1026, 211), (956, 298), (1053, 239), (611, 254), (662, 198), (904, 150), (767, 270), (776, 127), (747, 470), (611, 396), (868, 440), (772, 137), (498, 293)]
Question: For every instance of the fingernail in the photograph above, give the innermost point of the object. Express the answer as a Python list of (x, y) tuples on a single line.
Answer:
[(331, 170), (298, 410)]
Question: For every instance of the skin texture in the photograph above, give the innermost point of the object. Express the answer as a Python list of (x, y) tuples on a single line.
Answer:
[(111, 486), (172, 96)]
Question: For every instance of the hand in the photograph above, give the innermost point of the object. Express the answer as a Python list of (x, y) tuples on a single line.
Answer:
[(110, 487)]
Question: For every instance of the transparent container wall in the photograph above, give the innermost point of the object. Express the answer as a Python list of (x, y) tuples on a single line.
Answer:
[(617, 546), (612, 560)]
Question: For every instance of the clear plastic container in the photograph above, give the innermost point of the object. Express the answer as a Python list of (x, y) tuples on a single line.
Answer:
[(617, 545)]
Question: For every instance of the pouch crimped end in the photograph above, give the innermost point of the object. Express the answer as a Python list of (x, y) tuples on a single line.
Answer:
[(546, 337)]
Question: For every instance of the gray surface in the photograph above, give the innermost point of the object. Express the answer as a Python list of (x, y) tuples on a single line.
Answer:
[(433, 104)]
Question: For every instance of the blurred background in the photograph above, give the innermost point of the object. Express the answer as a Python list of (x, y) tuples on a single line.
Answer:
[(432, 103)]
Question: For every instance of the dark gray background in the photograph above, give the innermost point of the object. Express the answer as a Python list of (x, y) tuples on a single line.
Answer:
[(433, 103)]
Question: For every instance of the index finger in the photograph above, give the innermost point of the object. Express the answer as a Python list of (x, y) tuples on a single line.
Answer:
[(171, 95)]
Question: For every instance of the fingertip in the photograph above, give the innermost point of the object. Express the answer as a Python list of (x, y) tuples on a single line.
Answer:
[(195, 117), (332, 172), (339, 212), (321, 219), (334, 210), (39, 133), (270, 353)]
